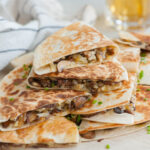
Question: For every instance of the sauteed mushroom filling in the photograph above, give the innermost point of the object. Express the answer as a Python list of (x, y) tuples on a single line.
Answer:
[(142, 45), (88, 135), (130, 108), (75, 84), (97, 55), (43, 113)]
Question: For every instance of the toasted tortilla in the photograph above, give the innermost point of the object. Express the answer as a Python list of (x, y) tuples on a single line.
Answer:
[(73, 39), (56, 129), (142, 113), (129, 55), (135, 39), (112, 117), (19, 104), (115, 132), (105, 77), (23, 59), (110, 99), (145, 67)]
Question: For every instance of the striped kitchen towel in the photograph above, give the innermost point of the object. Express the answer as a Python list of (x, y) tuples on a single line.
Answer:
[(25, 23)]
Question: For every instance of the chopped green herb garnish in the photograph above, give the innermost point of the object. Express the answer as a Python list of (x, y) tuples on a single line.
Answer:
[(30, 66), (147, 89), (68, 117), (107, 146), (138, 81), (145, 99), (72, 115), (143, 60), (25, 67), (46, 89), (148, 129), (78, 119), (138, 90), (16, 83), (89, 99), (11, 99), (99, 103), (24, 76), (28, 87), (52, 84), (143, 54), (94, 102), (141, 74)]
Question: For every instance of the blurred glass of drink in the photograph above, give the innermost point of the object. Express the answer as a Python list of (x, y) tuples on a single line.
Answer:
[(125, 14)]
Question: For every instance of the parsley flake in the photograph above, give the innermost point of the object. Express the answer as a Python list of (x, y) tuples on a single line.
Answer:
[(24, 76), (28, 87), (147, 89), (148, 129), (52, 84), (138, 90), (89, 99), (141, 74), (78, 119), (30, 66), (25, 67), (68, 117), (107, 146), (11, 99), (99, 103), (145, 99), (46, 89), (143, 54), (143, 60), (94, 102)]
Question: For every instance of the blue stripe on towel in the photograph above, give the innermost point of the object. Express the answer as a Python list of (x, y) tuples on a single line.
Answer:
[(30, 29), (12, 50)]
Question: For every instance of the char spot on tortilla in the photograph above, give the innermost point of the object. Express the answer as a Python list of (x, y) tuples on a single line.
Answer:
[(42, 103), (144, 110), (13, 93), (18, 81), (6, 110), (23, 94), (120, 95), (9, 88), (23, 108), (4, 100), (30, 100), (61, 96)]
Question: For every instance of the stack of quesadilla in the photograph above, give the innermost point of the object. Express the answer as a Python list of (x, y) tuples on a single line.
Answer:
[(142, 41), (78, 82), (97, 127)]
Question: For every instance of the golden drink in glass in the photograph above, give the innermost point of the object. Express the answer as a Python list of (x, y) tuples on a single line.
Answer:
[(128, 13)]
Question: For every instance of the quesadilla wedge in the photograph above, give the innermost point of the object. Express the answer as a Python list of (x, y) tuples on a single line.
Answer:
[(112, 132), (21, 106), (73, 46), (142, 113), (26, 58), (111, 99), (119, 115), (56, 130), (92, 79), (135, 39), (129, 57)]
